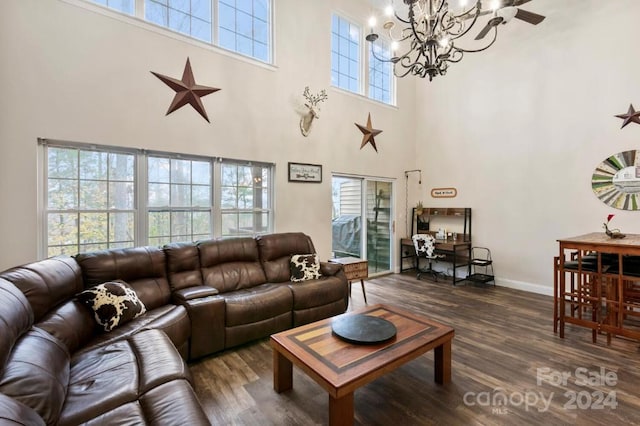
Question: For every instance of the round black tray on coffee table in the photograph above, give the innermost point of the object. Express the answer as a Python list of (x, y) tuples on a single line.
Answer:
[(363, 329)]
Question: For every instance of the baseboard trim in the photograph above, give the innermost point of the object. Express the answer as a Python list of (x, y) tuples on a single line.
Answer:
[(514, 284), (525, 286)]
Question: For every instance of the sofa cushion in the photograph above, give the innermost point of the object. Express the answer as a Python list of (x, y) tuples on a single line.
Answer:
[(113, 304), (71, 323), (46, 283), (37, 374), (143, 268), (130, 413), (257, 303), (229, 265), (173, 403), (110, 376), (276, 251), (319, 292), (16, 318), (304, 267), (171, 319), (183, 265), (15, 413)]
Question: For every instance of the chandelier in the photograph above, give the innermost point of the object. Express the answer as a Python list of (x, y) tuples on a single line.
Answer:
[(427, 42)]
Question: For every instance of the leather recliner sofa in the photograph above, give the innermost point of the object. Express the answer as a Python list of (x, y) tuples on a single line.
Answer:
[(57, 366)]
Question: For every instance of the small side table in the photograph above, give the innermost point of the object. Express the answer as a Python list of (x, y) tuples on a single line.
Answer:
[(354, 269)]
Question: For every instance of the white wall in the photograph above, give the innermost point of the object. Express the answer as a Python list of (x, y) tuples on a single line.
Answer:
[(71, 73), (519, 129)]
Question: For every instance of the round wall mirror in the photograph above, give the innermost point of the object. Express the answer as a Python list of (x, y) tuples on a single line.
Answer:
[(616, 181)]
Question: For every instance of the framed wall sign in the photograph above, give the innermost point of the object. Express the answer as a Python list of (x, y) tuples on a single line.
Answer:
[(444, 192), (300, 172)]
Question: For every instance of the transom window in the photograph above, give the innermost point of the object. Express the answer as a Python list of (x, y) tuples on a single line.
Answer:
[(380, 73), (124, 6), (190, 17), (345, 54), (347, 68), (242, 26), (98, 198)]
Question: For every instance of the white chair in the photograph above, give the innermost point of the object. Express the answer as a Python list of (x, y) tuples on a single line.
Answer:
[(425, 245)]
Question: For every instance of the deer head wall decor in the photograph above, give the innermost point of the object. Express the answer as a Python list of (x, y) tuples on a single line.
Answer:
[(313, 109)]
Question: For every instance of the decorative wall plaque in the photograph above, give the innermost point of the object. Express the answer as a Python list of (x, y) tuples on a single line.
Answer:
[(187, 91), (299, 172), (632, 116), (368, 133), (444, 192), (616, 181)]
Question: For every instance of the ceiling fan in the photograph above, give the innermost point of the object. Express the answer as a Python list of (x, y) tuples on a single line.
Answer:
[(507, 10)]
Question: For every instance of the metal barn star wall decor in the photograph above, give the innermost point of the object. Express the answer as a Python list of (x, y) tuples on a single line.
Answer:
[(632, 116), (187, 91), (368, 133)]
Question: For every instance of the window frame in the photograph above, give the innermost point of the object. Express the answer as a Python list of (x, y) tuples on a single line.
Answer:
[(79, 209), (141, 205), (365, 63), (254, 40), (170, 11), (371, 86), (138, 17), (269, 210), (171, 208), (360, 61)]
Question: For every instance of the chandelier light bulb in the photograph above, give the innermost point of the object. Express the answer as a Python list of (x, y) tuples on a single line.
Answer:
[(495, 5), (373, 21), (394, 46), (388, 11)]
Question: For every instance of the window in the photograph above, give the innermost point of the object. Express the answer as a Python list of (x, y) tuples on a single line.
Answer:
[(124, 6), (98, 198), (345, 54), (346, 67), (244, 27), (90, 200), (179, 200), (190, 17), (245, 203), (380, 73)]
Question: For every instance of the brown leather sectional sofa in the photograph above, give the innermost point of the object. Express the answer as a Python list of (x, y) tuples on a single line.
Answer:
[(57, 366)]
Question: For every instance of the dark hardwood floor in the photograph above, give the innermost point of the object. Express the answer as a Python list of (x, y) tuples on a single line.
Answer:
[(505, 359)]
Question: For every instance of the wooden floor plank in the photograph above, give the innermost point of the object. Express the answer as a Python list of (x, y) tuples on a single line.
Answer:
[(504, 337)]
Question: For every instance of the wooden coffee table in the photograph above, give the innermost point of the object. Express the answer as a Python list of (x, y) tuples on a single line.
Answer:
[(341, 367)]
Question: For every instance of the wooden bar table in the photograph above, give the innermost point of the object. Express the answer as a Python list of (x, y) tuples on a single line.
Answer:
[(598, 287)]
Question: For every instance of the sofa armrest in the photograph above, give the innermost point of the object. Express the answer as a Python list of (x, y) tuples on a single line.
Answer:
[(207, 314), (330, 269), (190, 293)]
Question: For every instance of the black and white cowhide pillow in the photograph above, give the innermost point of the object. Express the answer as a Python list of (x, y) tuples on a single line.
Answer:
[(304, 267), (113, 303)]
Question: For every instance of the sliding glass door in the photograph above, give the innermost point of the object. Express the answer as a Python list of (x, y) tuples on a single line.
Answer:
[(362, 222), (378, 213), (346, 223)]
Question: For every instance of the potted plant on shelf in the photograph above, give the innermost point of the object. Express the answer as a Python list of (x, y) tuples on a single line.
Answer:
[(422, 222)]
